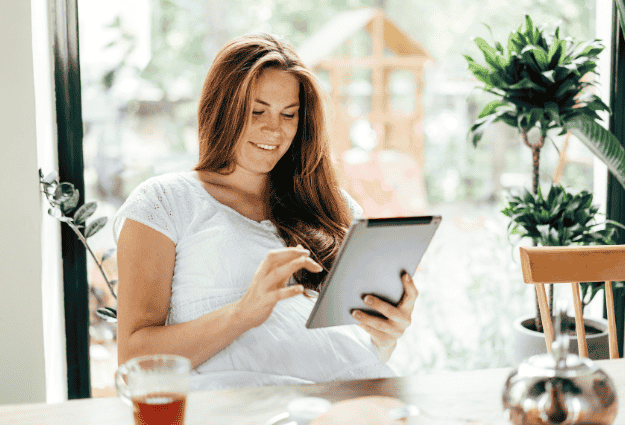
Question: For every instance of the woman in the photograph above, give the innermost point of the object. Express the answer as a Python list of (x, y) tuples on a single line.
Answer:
[(218, 264)]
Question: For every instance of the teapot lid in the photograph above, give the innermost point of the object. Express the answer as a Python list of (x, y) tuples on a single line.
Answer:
[(545, 365)]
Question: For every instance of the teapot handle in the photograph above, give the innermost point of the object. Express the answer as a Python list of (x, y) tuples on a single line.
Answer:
[(560, 344)]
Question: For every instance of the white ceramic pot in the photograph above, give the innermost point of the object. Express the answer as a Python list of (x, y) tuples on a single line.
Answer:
[(528, 343)]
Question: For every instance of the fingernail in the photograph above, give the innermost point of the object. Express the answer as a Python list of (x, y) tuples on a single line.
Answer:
[(368, 299), (319, 267), (355, 314)]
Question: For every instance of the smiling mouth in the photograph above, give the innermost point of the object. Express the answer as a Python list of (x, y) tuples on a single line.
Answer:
[(264, 147)]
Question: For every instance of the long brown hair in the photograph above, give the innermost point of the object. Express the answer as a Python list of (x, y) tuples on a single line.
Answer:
[(306, 203)]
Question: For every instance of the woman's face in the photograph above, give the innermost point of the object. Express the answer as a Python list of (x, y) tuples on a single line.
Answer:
[(273, 124)]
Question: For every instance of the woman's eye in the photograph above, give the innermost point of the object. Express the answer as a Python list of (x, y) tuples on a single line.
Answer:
[(257, 112), (288, 116)]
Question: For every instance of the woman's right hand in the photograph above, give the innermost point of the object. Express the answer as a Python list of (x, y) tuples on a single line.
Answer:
[(270, 283)]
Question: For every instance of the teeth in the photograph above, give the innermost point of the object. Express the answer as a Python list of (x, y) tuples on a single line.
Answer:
[(266, 147)]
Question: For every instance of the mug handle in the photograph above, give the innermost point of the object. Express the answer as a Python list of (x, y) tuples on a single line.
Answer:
[(123, 391)]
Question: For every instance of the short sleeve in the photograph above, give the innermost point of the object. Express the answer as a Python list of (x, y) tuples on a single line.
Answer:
[(150, 204), (355, 209)]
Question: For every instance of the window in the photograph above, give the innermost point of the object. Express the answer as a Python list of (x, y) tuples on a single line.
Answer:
[(142, 68)]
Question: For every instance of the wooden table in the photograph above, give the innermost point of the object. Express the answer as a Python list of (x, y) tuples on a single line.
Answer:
[(473, 394)]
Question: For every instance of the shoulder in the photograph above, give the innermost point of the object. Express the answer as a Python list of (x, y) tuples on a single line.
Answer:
[(175, 188), (172, 181), (162, 202), (353, 206)]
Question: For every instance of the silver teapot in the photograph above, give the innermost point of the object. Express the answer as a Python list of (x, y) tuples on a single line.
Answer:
[(559, 388)]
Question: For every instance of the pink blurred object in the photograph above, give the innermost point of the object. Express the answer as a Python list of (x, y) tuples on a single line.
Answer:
[(385, 183), (370, 410)]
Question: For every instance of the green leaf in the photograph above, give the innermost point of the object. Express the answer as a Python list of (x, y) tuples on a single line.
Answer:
[(540, 56), (68, 205), (549, 75), (529, 26), (108, 79), (108, 254), (491, 107), (566, 85), (84, 212), (514, 44), (526, 83), (480, 72), (620, 4), (552, 196), (508, 118), (498, 45), (116, 23), (591, 49), (600, 142), (490, 54), (63, 192), (551, 109), (533, 117), (479, 126), (573, 68), (595, 103), (556, 53), (50, 178), (95, 226)]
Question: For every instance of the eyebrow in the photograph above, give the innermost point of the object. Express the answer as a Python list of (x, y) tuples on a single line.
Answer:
[(266, 104)]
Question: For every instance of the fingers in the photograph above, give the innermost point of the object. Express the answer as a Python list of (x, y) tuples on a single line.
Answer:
[(398, 315), (289, 291), (284, 272), (386, 327), (278, 257), (410, 293)]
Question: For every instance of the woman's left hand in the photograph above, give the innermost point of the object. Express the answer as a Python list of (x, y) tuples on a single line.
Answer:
[(385, 332)]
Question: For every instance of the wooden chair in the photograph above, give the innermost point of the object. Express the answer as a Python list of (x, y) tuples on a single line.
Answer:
[(606, 263)]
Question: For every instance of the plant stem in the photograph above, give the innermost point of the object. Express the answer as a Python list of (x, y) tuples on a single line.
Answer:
[(535, 147), (84, 241)]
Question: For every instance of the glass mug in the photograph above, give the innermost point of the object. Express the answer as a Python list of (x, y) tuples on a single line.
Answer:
[(156, 386)]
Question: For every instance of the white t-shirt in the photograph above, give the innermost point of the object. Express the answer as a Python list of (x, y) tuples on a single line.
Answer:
[(217, 253)]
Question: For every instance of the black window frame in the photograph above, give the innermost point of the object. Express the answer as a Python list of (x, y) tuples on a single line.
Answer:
[(71, 169)]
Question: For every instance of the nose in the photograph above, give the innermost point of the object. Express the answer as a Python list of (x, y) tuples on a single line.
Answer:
[(272, 126)]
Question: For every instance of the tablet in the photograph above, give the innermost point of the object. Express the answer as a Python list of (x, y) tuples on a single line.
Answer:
[(369, 261)]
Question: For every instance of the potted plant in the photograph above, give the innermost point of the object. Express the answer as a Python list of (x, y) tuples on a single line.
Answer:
[(541, 81), (561, 219)]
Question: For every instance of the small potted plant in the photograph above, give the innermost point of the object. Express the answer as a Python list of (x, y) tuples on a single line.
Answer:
[(561, 219), (540, 81)]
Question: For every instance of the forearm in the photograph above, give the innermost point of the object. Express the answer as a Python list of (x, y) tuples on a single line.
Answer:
[(198, 339)]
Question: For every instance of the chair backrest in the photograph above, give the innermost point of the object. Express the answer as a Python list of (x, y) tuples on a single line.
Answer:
[(576, 264)]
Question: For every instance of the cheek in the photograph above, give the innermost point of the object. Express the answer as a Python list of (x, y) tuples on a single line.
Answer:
[(292, 129)]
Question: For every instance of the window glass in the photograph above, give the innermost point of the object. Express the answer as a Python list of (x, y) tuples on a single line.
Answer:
[(142, 68)]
